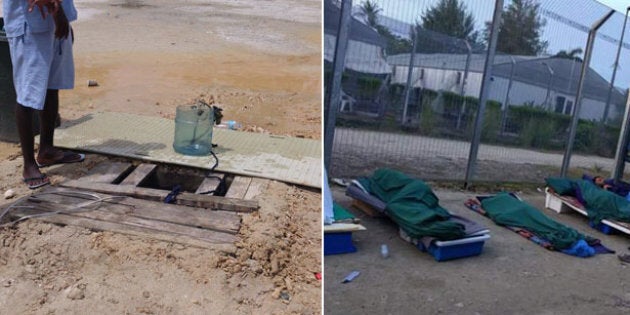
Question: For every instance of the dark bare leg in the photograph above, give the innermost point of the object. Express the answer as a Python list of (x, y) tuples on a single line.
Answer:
[(48, 154), (47, 118), (24, 121)]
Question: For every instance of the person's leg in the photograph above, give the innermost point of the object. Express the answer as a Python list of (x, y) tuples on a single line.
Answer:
[(24, 122), (30, 58), (47, 118), (61, 77)]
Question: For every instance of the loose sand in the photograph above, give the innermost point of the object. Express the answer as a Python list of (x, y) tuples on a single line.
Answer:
[(261, 62)]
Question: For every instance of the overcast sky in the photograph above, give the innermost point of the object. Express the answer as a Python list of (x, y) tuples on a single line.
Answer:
[(619, 5)]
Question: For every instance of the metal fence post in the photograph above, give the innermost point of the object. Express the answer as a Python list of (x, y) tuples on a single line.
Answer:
[(622, 144), (409, 86), (614, 74), (330, 116), (462, 110), (506, 102), (578, 97), (485, 90)]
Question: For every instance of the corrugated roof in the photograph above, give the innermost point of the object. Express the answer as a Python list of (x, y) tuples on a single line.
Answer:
[(358, 31), (529, 69)]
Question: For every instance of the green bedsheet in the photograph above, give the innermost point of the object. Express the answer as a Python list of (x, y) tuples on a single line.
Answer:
[(504, 209), (412, 205), (340, 213)]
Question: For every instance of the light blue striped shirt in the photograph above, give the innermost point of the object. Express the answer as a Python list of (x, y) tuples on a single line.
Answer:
[(16, 17)]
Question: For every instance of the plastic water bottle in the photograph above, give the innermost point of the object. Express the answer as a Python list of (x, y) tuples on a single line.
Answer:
[(384, 251), (230, 124)]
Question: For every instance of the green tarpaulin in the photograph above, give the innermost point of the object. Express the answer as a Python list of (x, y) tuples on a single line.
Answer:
[(599, 203), (412, 205), (504, 209)]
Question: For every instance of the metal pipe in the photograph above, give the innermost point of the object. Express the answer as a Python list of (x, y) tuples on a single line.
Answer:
[(409, 86), (578, 97), (335, 83), (506, 103), (485, 91), (547, 105), (614, 74), (622, 143), (464, 80)]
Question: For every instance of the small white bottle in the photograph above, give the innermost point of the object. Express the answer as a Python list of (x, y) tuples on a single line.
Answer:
[(384, 251), (230, 124)]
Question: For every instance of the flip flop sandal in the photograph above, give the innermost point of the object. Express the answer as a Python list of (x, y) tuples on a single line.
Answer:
[(624, 258), (42, 181), (68, 157)]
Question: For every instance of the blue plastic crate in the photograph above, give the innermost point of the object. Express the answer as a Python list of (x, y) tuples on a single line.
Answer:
[(338, 243), (604, 228), (448, 250)]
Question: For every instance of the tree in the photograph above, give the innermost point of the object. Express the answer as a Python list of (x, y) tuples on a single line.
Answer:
[(371, 10), (520, 29), (573, 54), (395, 44), (450, 17)]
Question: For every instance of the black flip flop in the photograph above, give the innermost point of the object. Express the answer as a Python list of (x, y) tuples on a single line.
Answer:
[(68, 157), (43, 181)]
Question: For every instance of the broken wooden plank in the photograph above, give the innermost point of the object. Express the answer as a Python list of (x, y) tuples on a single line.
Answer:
[(256, 188), (106, 212), (343, 227), (210, 183), (239, 187), (141, 231), (220, 221), (107, 172), (138, 175), (185, 198)]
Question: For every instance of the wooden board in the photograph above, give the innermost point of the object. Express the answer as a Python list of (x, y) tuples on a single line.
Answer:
[(343, 227), (572, 203), (256, 188), (221, 221), (210, 183), (188, 199), (138, 217), (107, 172), (247, 188), (239, 187), (129, 229), (139, 174)]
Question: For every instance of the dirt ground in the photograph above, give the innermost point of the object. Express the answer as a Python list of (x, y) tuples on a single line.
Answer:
[(261, 62), (511, 276)]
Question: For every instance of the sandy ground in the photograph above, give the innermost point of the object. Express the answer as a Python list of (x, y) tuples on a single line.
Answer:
[(261, 62), (511, 276)]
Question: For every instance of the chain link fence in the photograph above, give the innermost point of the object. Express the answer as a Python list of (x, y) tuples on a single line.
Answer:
[(408, 95)]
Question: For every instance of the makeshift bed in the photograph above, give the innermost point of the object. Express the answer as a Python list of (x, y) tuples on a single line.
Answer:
[(606, 211), (509, 211), (412, 205)]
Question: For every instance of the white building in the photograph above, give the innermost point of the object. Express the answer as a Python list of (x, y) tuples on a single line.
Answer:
[(540, 81)]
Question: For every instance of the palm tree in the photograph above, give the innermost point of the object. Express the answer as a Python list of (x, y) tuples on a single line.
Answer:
[(371, 10)]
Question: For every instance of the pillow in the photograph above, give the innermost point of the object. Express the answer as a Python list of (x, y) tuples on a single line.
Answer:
[(561, 186)]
